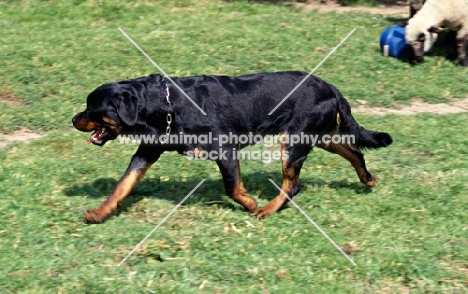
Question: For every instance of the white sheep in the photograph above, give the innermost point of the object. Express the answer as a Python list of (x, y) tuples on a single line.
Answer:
[(451, 14)]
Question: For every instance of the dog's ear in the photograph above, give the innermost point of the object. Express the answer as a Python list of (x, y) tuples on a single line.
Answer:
[(127, 108), (434, 29)]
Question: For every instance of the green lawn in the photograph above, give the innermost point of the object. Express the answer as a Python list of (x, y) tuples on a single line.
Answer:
[(54, 53), (410, 232)]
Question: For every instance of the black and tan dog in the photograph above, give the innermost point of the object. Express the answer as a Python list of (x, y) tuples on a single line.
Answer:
[(237, 105)]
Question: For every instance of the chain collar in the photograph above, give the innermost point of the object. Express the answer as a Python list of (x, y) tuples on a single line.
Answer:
[(165, 138), (167, 91)]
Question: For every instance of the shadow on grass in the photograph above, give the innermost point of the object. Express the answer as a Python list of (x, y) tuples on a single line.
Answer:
[(209, 193)]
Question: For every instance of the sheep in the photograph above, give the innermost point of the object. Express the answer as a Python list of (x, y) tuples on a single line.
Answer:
[(452, 14)]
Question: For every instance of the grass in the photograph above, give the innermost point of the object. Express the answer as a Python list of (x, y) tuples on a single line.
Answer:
[(54, 54), (409, 233), (411, 230)]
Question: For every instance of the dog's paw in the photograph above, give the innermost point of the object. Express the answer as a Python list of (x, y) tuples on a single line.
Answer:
[(93, 217), (262, 213), (254, 209), (250, 205), (372, 182)]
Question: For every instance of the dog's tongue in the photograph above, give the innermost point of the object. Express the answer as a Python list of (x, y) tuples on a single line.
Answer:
[(94, 136)]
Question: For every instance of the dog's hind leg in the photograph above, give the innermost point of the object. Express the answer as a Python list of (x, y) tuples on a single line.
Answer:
[(293, 157), (140, 163), (230, 170), (355, 157)]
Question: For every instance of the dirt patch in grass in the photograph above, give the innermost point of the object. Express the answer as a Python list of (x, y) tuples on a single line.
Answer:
[(416, 107), (8, 98), (401, 8), (21, 135)]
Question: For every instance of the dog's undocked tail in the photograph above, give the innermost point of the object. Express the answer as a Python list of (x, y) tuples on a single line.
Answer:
[(363, 138)]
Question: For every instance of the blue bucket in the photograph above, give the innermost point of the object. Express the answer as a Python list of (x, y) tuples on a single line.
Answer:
[(392, 42)]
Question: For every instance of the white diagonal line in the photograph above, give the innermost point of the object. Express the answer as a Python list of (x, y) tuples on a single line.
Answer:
[(315, 68), (160, 223), (160, 69), (310, 220)]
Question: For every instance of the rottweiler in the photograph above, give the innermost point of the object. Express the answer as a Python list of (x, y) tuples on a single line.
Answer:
[(290, 103)]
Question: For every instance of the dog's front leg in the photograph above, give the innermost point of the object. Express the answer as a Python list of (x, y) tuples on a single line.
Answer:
[(230, 170), (140, 163)]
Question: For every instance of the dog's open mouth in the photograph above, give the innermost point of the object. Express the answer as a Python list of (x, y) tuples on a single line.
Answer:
[(101, 135)]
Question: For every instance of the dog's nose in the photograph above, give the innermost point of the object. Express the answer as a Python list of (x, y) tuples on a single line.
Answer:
[(75, 118)]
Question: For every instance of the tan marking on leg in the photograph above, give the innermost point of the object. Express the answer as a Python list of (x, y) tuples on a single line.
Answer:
[(290, 180), (349, 153), (239, 194), (123, 189)]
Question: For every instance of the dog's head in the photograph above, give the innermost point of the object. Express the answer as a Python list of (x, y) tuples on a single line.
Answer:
[(115, 109)]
